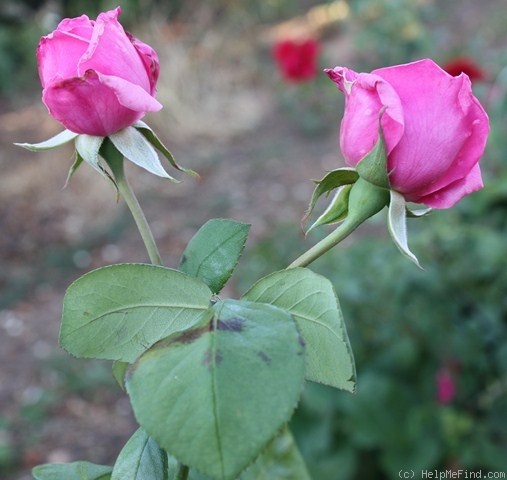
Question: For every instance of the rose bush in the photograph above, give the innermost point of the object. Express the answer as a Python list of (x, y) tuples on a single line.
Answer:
[(96, 78), (435, 129)]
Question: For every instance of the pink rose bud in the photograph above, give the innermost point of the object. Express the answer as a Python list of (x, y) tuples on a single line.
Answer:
[(96, 78), (435, 130)]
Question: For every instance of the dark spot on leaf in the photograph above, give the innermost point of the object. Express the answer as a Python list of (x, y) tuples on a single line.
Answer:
[(234, 324), (212, 358), (301, 341), (189, 336), (264, 357), (183, 260)]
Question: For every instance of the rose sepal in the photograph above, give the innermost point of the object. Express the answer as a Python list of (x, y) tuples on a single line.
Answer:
[(373, 166), (396, 223), (57, 141), (155, 141), (332, 180), (337, 209)]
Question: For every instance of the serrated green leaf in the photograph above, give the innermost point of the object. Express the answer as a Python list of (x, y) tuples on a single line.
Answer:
[(56, 141), (373, 166), (118, 312), (72, 471), (337, 209), (216, 394), (134, 146), (214, 251), (333, 179), (280, 460), (396, 222), (312, 301), (140, 459), (157, 143)]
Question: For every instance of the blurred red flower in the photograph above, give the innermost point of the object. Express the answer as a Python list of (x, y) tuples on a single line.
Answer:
[(466, 65), (297, 60)]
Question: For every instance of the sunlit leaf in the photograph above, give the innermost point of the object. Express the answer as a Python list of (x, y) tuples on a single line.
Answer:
[(118, 312)]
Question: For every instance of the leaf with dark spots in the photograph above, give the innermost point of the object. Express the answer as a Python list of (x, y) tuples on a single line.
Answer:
[(189, 336), (234, 324), (212, 358), (199, 398)]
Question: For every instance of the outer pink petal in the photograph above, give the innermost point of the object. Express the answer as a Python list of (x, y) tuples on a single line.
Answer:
[(92, 105), (454, 192), (367, 96), (59, 52), (129, 95), (110, 42), (150, 60), (442, 119)]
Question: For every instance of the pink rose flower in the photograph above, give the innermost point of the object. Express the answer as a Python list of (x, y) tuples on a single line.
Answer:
[(434, 128), (96, 78)]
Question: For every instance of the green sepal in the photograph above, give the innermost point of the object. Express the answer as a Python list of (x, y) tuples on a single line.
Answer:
[(216, 394), (157, 143), (88, 148), (333, 179), (373, 166), (78, 160), (214, 251), (337, 210), (54, 142), (134, 146), (72, 471), (365, 200), (396, 222)]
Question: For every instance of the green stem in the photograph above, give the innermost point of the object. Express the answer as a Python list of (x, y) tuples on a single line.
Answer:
[(365, 200), (326, 244), (115, 161)]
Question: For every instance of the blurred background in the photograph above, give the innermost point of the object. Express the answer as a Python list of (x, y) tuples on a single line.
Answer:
[(247, 106)]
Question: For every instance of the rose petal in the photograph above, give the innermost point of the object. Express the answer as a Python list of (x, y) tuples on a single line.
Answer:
[(367, 96), (91, 104), (59, 52), (441, 124), (454, 192), (109, 41)]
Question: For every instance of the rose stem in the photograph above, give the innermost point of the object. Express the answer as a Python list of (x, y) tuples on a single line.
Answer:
[(319, 249), (365, 200), (115, 161)]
